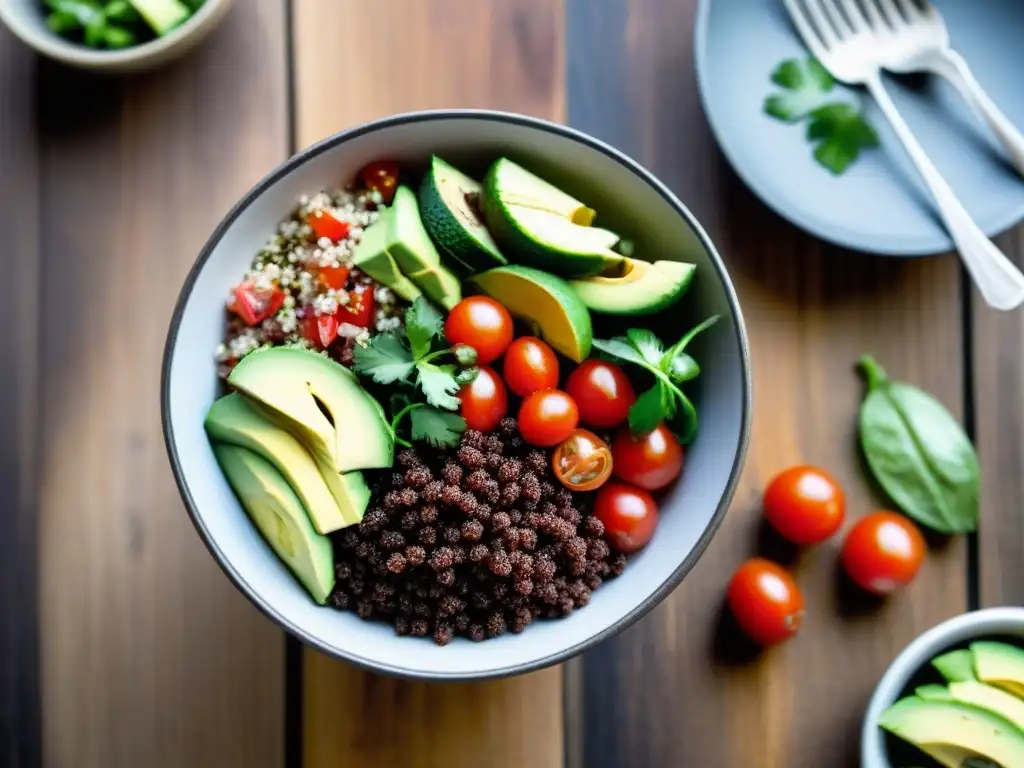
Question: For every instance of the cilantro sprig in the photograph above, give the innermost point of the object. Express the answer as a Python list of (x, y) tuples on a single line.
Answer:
[(671, 367), (837, 129)]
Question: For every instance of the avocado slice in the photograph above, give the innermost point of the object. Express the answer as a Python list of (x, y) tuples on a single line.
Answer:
[(449, 206), (319, 402), (538, 224), (372, 257), (280, 518), (236, 421), (955, 666), (544, 300), (999, 664), (162, 15), (440, 285), (933, 692), (952, 732), (642, 289), (991, 698)]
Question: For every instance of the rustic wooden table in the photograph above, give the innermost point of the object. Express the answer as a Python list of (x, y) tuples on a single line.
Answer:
[(121, 643)]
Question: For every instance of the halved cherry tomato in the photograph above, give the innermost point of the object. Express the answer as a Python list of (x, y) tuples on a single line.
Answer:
[(382, 177), (766, 602), (333, 277), (484, 400), (325, 224), (483, 324), (254, 305), (530, 366), (883, 552), (602, 392), (359, 310), (805, 504), (321, 330), (629, 514), (583, 461), (546, 418), (651, 461)]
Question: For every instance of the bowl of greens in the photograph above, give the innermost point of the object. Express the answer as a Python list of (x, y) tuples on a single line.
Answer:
[(112, 35)]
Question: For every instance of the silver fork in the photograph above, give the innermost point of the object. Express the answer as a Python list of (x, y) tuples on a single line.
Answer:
[(838, 33), (912, 37)]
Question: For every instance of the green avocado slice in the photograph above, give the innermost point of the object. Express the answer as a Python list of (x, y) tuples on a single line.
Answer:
[(642, 289)]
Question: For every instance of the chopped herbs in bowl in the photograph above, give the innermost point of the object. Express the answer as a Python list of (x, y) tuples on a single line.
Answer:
[(117, 23)]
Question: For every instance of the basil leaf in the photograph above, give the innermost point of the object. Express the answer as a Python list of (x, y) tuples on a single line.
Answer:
[(648, 410), (621, 348), (684, 422), (647, 344), (675, 350), (683, 368), (918, 453)]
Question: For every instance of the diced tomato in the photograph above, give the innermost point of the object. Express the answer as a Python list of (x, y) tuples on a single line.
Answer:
[(324, 224), (321, 330), (254, 305), (360, 308), (333, 277), (381, 177)]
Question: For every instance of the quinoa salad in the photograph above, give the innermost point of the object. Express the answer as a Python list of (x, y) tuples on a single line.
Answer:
[(417, 416)]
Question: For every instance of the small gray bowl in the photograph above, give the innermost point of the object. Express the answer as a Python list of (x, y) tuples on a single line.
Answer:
[(25, 18), (958, 631), (628, 197)]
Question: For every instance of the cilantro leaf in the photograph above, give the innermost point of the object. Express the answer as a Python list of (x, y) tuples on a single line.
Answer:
[(437, 428), (439, 385), (840, 132), (648, 410), (385, 358), (647, 344), (621, 348), (805, 85), (423, 322)]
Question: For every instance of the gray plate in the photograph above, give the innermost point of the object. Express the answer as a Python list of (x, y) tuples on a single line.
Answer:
[(879, 204)]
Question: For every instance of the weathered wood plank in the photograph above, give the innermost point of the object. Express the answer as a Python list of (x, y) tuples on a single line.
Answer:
[(422, 54), (19, 313), (678, 689), (150, 656)]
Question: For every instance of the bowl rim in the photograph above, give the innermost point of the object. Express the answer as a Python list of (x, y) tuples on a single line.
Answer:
[(71, 53), (310, 153)]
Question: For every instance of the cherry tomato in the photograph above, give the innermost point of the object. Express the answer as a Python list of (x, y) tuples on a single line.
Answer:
[(602, 392), (321, 330), (530, 366), (359, 309), (483, 324), (324, 224), (546, 418), (382, 177), (484, 400), (804, 504), (883, 552), (628, 513), (766, 601), (651, 461), (583, 461), (254, 305), (333, 277)]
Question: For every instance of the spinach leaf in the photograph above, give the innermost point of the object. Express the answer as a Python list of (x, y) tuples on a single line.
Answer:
[(918, 453)]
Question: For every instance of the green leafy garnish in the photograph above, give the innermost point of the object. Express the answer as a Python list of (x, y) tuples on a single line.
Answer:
[(423, 322), (840, 132), (806, 85), (440, 429), (386, 359), (439, 385)]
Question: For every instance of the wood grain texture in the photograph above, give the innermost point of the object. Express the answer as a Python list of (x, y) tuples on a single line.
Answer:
[(998, 351), (150, 656), (19, 382), (504, 54), (681, 688)]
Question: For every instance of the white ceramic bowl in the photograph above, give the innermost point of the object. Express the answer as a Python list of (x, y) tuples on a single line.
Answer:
[(627, 197), (956, 632), (26, 19)]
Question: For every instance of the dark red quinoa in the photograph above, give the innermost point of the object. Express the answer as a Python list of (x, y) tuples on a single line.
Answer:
[(471, 542)]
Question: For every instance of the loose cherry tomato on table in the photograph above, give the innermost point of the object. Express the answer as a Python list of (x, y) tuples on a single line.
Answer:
[(381, 177), (359, 310), (484, 400), (804, 504), (629, 515), (583, 461), (766, 602), (546, 418), (325, 224), (321, 330), (255, 305), (530, 366), (483, 324), (333, 277), (883, 552), (650, 461), (602, 392)]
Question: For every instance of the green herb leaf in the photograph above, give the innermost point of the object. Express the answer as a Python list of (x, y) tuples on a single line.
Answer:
[(385, 358), (682, 368), (85, 12), (423, 322), (648, 410), (806, 85), (679, 365), (840, 132), (918, 453), (118, 37), (121, 11), (647, 344), (684, 421), (437, 428), (439, 385), (621, 348)]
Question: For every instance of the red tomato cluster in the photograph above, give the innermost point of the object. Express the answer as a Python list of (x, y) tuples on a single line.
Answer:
[(882, 552)]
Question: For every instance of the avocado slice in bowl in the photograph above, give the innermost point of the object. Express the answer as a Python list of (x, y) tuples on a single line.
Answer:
[(643, 288)]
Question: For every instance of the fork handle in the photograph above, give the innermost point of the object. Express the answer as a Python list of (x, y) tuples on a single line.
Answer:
[(952, 66), (1000, 283)]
